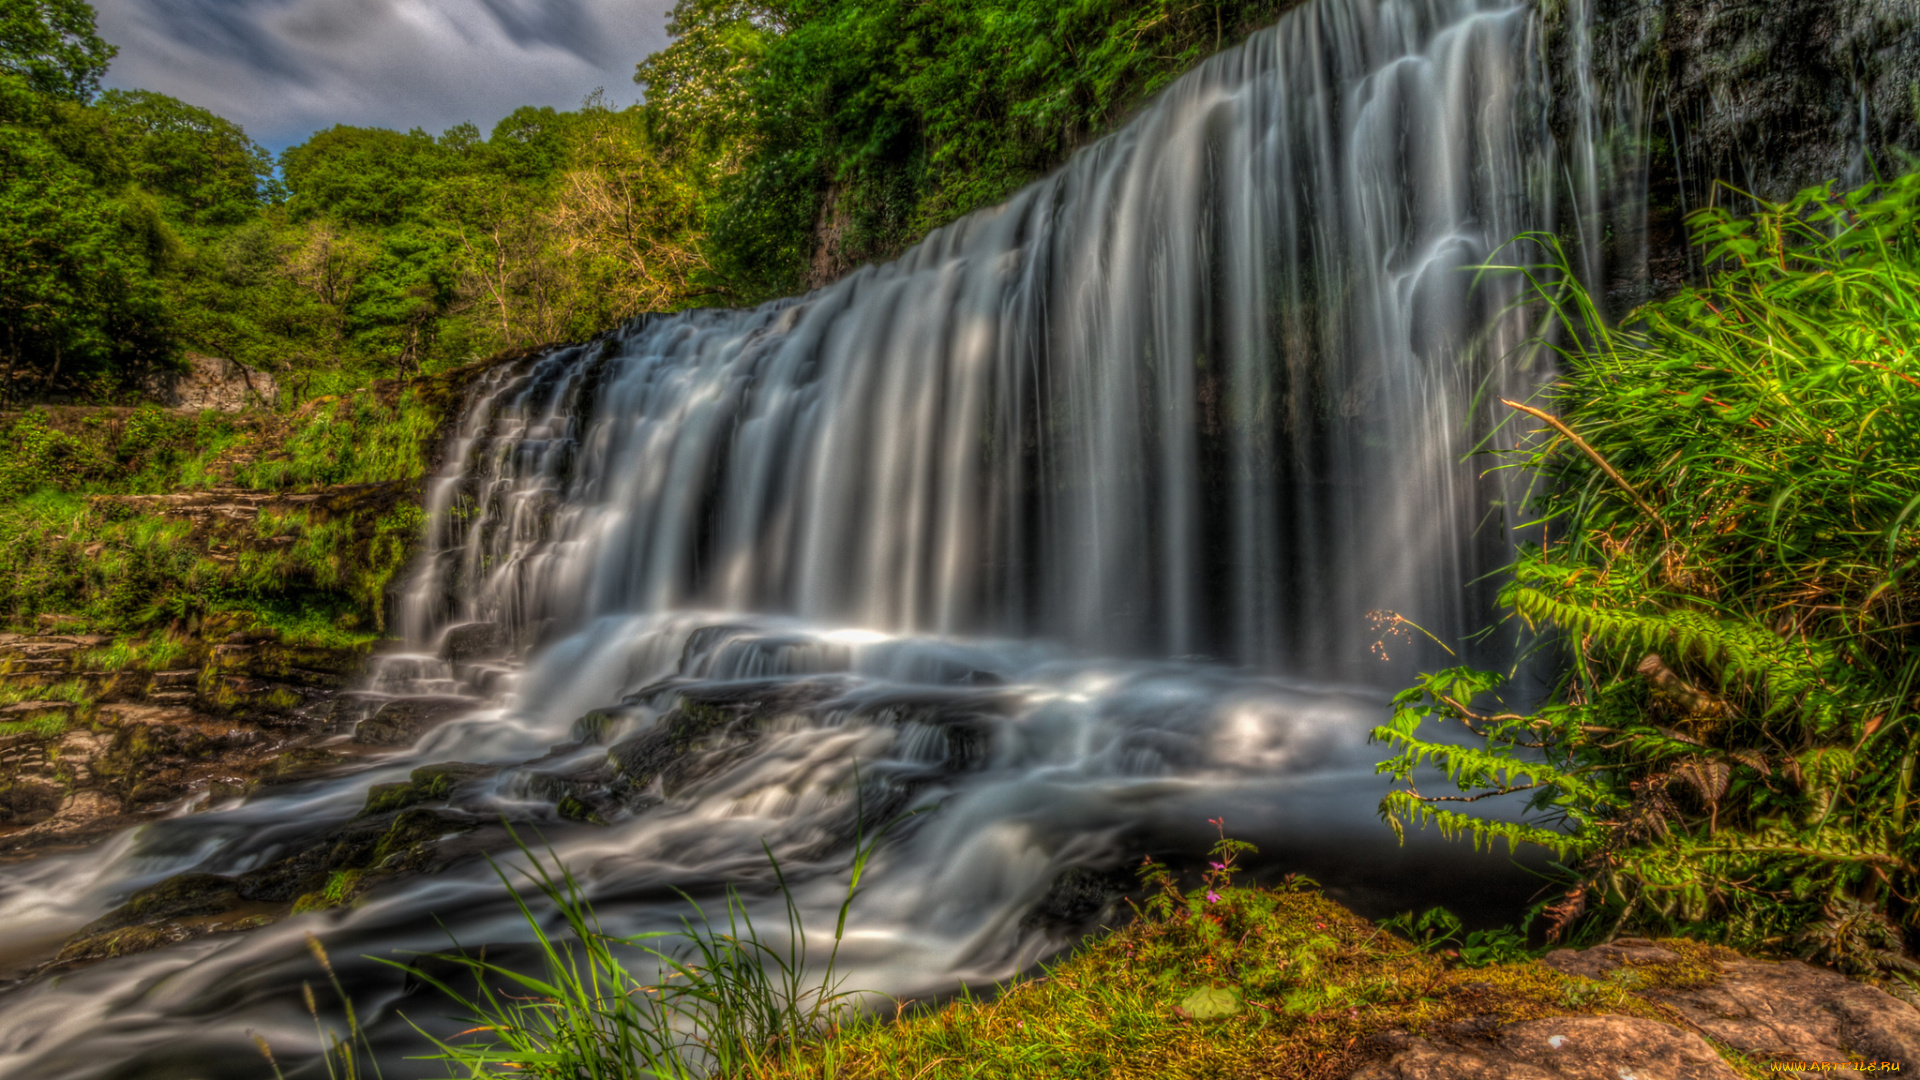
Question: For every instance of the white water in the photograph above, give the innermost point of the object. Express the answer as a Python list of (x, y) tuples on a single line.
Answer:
[(977, 517)]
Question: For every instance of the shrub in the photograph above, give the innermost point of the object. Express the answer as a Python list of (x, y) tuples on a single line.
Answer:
[(1727, 583)]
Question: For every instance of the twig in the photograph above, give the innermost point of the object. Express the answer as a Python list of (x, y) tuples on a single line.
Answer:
[(1556, 424)]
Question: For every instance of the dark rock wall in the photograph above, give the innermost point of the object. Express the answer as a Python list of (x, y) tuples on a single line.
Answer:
[(1712, 101)]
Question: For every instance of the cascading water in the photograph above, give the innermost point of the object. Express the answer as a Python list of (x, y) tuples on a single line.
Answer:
[(1044, 526)]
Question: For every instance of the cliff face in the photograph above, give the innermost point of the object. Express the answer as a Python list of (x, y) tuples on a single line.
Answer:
[(1776, 95), (1713, 98)]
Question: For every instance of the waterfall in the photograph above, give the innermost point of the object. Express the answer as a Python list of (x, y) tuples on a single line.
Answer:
[(1213, 389), (1064, 526)]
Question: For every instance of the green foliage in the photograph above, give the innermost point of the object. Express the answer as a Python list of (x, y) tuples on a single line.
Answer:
[(157, 653), (1439, 929), (363, 176), (204, 168), (1733, 746), (52, 46), (782, 142), (351, 441), (79, 296), (895, 117)]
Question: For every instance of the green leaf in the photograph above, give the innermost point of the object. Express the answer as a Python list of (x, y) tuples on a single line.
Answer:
[(1210, 1003)]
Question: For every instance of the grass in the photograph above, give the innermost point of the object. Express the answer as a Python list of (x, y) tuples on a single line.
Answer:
[(45, 726), (1728, 583), (138, 572), (157, 653), (359, 440), (1217, 980)]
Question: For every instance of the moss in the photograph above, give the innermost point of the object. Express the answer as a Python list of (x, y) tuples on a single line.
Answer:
[(1319, 986), (303, 761), (573, 809), (594, 727), (386, 798), (114, 943), (1694, 968), (342, 888), (413, 827), (44, 725), (428, 783)]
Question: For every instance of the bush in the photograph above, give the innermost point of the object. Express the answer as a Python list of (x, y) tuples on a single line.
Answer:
[(1727, 582)]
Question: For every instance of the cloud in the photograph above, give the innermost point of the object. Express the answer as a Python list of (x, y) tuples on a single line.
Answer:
[(283, 68)]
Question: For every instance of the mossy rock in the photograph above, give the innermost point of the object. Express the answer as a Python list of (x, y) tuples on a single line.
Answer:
[(178, 897), (116, 943), (384, 798), (574, 809), (402, 721), (596, 726), (428, 783), (302, 762), (410, 832)]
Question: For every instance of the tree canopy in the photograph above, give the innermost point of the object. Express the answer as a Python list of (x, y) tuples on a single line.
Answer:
[(138, 226), (53, 46)]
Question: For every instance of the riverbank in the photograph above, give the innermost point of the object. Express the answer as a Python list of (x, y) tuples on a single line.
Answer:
[(1287, 983), (185, 595)]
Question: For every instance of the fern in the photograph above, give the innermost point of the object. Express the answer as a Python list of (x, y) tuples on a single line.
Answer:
[(1732, 595)]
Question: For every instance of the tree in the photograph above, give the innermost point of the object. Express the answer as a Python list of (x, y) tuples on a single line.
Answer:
[(363, 176), (203, 167), (530, 143), (699, 88), (78, 292), (52, 45)]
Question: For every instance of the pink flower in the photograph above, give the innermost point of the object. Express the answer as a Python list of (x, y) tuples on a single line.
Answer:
[(1218, 865), (1212, 897)]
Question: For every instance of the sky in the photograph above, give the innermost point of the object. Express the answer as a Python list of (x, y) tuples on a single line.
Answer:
[(282, 69)]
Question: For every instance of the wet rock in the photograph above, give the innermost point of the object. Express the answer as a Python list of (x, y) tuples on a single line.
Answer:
[(597, 726), (428, 783), (401, 722), (1793, 1011), (300, 763), (25, 801), (176, 897), (472, 641), (80, 813), (1564, 1048), (181, 907), (1077, 897)]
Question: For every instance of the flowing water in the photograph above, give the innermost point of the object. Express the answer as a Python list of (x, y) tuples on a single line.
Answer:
[(1066, 527)]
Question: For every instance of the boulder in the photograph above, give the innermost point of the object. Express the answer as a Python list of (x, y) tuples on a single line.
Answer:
[(1561, 1048), (428, 783), (1787, 1011), (402, 721), (472, 641), (1596, 962), (1796, 1012)]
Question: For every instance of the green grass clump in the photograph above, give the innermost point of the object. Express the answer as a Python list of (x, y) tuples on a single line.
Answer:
[(360, 440), (157, 653), (1729, 582), (44, 726)]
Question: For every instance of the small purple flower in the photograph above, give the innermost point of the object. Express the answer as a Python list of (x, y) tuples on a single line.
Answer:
[(1218, 865), (1212, 897)]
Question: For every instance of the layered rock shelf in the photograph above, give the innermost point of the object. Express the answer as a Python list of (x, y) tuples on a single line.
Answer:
[(88, 746)]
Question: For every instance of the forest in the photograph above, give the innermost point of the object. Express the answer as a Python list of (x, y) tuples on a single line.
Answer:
[(779, 145)]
